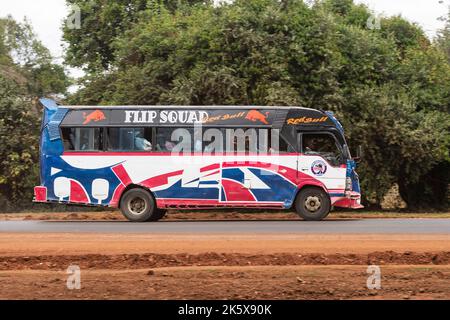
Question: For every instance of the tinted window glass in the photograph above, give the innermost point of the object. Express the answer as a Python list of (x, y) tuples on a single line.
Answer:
[(322, 144), (279, 143), (213, 141), (82, 139), (218, 140), (130, 139), (176, 140)]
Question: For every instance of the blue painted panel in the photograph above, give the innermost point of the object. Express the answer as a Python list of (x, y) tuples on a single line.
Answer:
[(280, 189), (83, 176)]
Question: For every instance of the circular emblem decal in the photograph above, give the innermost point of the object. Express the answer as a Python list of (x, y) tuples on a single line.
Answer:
[(319, 167)]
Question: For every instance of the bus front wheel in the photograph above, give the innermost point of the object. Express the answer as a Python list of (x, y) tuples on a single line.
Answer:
[(312, 204), (138, 205)]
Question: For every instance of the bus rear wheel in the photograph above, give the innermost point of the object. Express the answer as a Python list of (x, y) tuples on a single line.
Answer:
[(312, 204), (138, 205)]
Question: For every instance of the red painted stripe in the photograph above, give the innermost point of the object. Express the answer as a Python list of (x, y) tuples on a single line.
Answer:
[(116, 195), (197, 202), (122, 174), (210, 167), (212, 173), (160, 180), (163, 202)]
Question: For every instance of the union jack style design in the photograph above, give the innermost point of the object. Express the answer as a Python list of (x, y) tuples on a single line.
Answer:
[(207, 181)]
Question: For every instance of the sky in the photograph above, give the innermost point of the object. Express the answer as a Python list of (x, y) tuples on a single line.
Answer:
[(46, 16)]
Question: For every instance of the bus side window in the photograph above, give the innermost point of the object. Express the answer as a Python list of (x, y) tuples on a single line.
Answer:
[(278, 143), (213, 141), (164, 139), (82, 139), (143, 139), (284, 147), (130, 139), (68, 137)]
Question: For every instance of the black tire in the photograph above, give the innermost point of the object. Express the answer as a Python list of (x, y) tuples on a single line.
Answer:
[(159, 214), (138, 205), (312, 204)]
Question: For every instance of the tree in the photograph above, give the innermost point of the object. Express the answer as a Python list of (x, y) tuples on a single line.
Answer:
[(22, 51), (26, 72), (19, 144), (404, 33), (92, 45), (443, 37)]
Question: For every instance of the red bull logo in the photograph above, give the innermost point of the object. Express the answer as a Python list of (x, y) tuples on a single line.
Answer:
[(95, 116), (255, 115)]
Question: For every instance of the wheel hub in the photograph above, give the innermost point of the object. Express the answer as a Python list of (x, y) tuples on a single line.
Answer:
[(312, 203), (137, 205)]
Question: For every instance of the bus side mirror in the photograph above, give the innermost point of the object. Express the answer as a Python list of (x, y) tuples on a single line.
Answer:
[(359, 154)]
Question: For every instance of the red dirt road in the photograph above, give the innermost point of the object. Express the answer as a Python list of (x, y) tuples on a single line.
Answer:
[(68, 243), (224, 266), (218, 282)]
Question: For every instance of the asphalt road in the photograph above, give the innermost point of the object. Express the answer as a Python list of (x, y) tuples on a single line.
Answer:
[(360, 226)]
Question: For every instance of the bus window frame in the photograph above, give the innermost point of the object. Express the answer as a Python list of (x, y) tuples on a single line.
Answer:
[(102, 144), (332, 133), (222, 128), (106, 138)]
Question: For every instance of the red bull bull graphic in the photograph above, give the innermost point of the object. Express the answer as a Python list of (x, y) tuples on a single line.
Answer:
[(95, 116), (255, 115)]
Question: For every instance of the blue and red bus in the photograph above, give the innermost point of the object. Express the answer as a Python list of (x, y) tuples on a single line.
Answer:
[(147, 159)]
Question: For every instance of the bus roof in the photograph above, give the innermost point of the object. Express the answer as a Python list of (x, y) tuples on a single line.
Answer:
[(76, 107)]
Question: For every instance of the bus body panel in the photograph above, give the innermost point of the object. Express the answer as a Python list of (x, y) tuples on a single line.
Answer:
[(193, 179), (196, 180)]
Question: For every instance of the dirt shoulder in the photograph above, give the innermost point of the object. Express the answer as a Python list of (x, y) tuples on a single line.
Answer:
[(31, 244), (217, 215), (214, 259)]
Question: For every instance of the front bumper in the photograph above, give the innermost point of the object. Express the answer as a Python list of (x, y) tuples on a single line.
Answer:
[(352, 200)]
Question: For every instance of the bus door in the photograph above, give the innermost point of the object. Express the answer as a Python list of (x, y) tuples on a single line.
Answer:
[(322, 159)]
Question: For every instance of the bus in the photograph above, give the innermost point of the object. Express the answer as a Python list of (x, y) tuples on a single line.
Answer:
[(145, 160)]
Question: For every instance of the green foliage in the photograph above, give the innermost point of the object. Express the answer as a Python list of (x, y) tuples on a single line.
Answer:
[(25, 59), (401, 144), (443, 37), (403, 33), (91, 46), (19, 144), (426, 74), (26, 72)]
